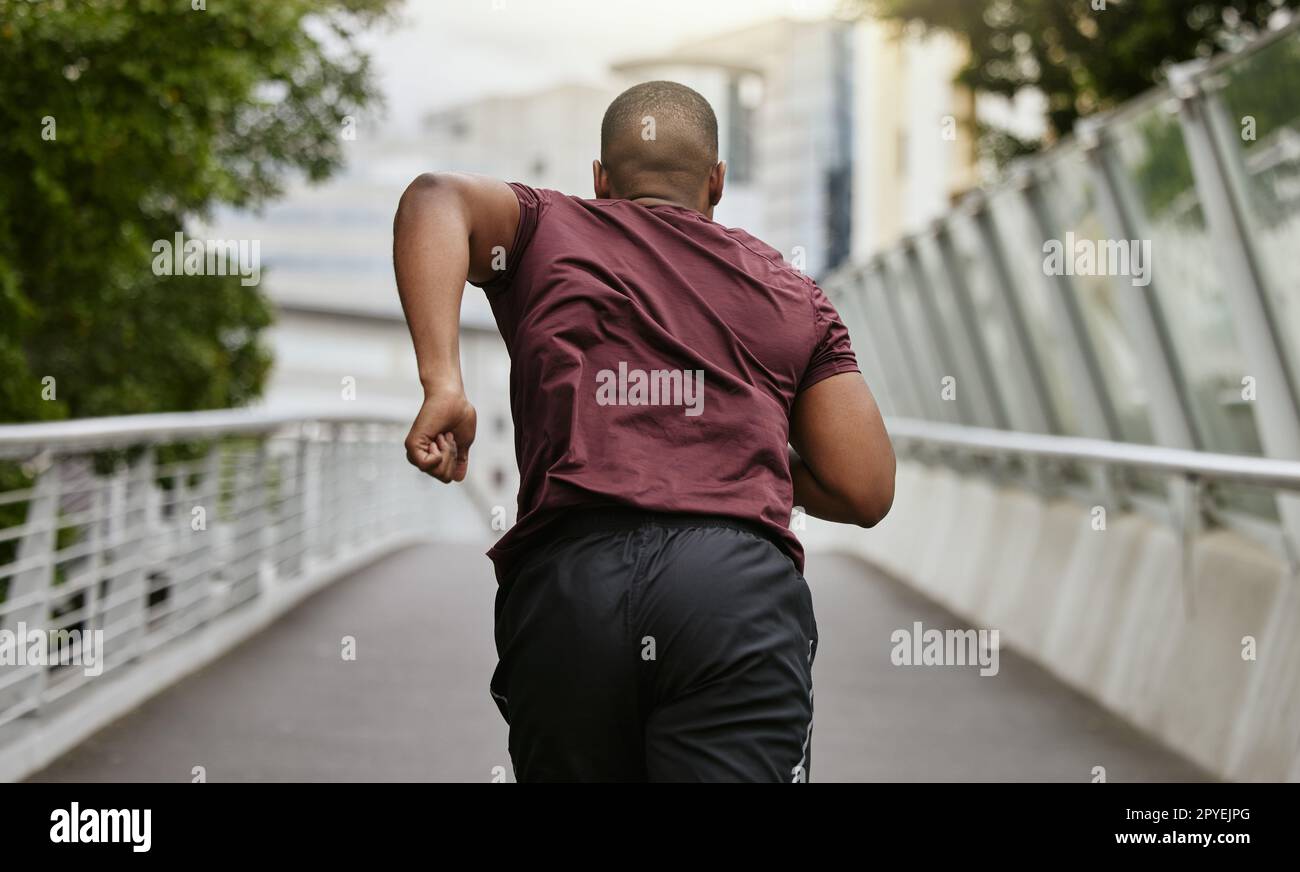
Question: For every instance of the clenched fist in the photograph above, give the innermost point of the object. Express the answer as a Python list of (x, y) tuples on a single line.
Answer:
[(442, 434)]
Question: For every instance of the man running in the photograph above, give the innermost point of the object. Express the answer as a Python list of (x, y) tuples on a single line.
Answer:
[(652, 621)]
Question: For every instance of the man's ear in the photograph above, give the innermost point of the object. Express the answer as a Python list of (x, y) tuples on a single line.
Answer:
[(600, 181), (717, 180)]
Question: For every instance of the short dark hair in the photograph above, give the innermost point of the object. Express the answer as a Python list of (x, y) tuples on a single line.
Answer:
[(681, 116)]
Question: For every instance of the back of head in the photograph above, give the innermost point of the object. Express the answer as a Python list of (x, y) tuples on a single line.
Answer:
[(659, 139)]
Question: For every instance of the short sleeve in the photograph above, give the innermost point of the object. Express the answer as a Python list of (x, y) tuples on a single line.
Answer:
[(833, 354), (532, 203)]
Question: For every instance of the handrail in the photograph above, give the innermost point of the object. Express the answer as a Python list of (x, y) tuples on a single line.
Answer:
[(150, 549), (1242, 469), (86, 433), (81, 433)]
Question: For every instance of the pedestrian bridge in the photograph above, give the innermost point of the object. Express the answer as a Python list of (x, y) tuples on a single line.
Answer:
[(1099, 460), (283, 598)]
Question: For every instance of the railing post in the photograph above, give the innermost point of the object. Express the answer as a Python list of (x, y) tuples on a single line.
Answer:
[(313, 495), (974, 339), (846, 298), (246, 539), (1276, 407), (331, 492), (1189, 523), (37, 546), (262, 517), (916, 352), (1172, 420), (1097, 418), (1029, 369), (204, 557), (942, 346), (132, 549), (888, 336), (293, 540)]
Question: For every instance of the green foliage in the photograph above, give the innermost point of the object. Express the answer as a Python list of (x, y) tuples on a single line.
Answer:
[(1262, 93), (160, 113), (1261, 90), (1165, 174), (1081, 58)]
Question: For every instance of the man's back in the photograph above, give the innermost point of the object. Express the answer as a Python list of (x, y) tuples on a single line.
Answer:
[(652, 621), (656, 356)]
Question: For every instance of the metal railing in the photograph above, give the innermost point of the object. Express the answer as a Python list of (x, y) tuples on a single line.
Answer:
[(1188, 465), (964, 330), (1194, 470), (134, 531)]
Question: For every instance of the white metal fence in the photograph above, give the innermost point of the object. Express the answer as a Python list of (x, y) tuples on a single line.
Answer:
[(137, 530)]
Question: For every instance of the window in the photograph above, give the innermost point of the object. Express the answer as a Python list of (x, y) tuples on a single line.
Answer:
[(744, 93)]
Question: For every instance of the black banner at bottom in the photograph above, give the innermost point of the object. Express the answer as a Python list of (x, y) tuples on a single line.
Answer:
[(121, 822)]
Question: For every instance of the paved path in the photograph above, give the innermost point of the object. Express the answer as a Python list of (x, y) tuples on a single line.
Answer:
[(414, 706)]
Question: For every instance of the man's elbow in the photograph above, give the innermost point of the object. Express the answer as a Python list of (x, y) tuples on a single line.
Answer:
[(873, 502), (426, 183), (421, 186), (870, 510), (428, 189)]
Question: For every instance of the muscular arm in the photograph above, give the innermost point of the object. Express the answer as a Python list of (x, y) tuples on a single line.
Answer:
[(844, 467), (448, 229)]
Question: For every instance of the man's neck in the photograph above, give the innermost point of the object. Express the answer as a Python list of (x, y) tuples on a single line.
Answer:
[(650, 200)]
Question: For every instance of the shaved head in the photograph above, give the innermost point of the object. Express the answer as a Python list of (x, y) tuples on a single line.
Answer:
[(659, 139)]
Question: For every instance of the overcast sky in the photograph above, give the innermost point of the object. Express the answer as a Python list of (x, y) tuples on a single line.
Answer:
[(446, 51)]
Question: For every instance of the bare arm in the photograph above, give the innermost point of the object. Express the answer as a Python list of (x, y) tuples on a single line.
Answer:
[(844, 469), (449, 228)]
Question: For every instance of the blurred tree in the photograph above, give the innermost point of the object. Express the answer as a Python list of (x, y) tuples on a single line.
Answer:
[(121, 119), (1083, 55)]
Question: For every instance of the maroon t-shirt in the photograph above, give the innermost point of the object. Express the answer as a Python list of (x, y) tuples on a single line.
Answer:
[(655, 358)]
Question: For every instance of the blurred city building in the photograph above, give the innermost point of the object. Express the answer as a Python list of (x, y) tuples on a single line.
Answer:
[(839, 136), (545, 138)]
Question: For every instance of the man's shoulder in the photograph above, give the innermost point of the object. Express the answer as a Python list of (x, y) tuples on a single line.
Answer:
[(547, 199), (774, 256), (756, 245)]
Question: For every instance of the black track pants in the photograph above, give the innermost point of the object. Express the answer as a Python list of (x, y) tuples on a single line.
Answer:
[(656, 647)]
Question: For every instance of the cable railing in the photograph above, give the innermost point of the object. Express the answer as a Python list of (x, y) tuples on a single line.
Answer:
[(120, 535)]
